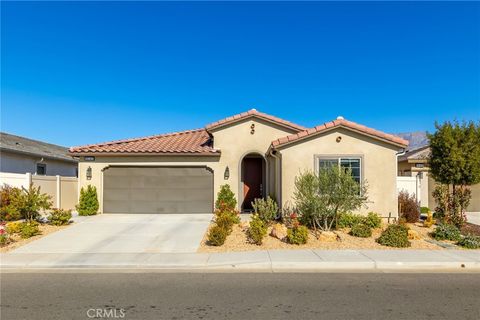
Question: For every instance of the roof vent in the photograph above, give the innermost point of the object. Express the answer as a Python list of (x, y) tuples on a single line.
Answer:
[(253, 109), (340, 118)]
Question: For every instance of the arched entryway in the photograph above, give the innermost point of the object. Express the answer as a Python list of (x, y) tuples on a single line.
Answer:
[(253, 184)]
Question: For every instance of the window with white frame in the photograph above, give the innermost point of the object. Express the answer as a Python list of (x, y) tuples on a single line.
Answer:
[(352, 163)]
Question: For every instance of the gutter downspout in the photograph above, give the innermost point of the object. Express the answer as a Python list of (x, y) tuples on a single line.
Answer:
[(278, 194), (398, 154)]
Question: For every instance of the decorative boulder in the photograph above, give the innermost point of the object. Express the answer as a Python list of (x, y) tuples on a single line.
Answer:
[(279, 231), (413, 235), (328, 236)]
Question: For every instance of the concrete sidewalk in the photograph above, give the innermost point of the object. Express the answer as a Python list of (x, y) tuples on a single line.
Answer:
[(267, 261)]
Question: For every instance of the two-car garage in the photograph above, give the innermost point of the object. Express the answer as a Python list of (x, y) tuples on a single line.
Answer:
[(161, 190)]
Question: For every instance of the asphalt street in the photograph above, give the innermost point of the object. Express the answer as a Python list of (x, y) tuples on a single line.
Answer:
[(240, 296)]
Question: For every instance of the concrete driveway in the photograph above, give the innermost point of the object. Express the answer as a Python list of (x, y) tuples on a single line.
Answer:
[(126, 233)]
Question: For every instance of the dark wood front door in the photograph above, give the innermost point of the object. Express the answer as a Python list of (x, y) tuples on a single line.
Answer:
[(252, 173)]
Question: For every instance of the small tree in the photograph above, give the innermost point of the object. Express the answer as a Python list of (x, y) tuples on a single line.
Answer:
[(320, 198), (29, 202), (455, 162), (225, 199), (88, 203)]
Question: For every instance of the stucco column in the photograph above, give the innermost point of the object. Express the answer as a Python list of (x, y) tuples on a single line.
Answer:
[(28, 179), (59, 192)]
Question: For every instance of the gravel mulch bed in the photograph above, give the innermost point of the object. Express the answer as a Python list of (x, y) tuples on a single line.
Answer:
[(470, 228), (16, 241), (238, 241)]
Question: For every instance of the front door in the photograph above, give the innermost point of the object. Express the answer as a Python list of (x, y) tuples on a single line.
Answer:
[(252, 174)]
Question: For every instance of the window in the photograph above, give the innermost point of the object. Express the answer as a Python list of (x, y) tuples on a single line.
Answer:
[(41, 169), (348, 163)]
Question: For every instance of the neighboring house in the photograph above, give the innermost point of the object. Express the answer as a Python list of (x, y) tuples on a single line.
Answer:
[(23, 155), (414, 162), (255, 153)]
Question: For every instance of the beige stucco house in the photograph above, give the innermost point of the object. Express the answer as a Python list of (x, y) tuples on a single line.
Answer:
[(255, 153)]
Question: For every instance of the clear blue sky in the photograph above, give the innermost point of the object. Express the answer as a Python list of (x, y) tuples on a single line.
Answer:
[(78, 73)]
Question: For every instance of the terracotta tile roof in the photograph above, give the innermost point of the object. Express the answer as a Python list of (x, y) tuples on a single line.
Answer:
[(195, 142), (340, 122), (254, 113)]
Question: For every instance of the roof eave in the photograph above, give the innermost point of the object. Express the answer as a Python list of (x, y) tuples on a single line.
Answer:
[(310, 136), (129, 154), (216, 127), (51, 157)]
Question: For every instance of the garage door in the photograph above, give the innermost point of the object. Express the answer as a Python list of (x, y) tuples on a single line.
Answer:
[(157, 190)]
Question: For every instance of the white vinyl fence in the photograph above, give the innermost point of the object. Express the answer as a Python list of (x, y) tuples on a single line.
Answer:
[(63, 190), (417, 186)]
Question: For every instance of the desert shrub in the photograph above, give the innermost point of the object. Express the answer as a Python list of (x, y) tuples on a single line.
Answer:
[(217, 235), (26, 203), (8, 210), (297, 235), (225, 220), (395, 236), (13, 227), (225, 199), (60, 217), (361, 230), (320, 197), (4, 237), (257, 230), (424, 209), (29, 229), (446, 232), (348, 220), (372, 220), (88, 203), (470, 242), (407, 206), (451, 206), (266, 209)]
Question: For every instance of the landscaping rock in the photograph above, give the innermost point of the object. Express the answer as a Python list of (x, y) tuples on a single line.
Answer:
[(328, 236), (279, 231), (413, 235)]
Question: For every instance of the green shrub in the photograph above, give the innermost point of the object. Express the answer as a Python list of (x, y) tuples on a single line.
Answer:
[(266, 210), (225, 199), (446, 232), (395, 236), (8, 211), (373, 220), (29, 229), (257, 230), (4, 238), (348, 220), (217, 235), (88, 203), (29, 202), (361, 230), (469, 242), (60, 217), (407, 206), (13, 227), (297, 235), (225, 220), (424, 209)]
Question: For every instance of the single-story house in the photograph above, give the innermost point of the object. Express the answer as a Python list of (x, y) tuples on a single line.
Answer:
[(255, 153), (23, 155)]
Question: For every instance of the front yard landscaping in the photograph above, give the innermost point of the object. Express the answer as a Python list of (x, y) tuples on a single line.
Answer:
[(27, 215), (320, 219)]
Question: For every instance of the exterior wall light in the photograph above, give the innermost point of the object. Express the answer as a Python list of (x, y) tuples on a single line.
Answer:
[(89, 173), (226, 174)]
